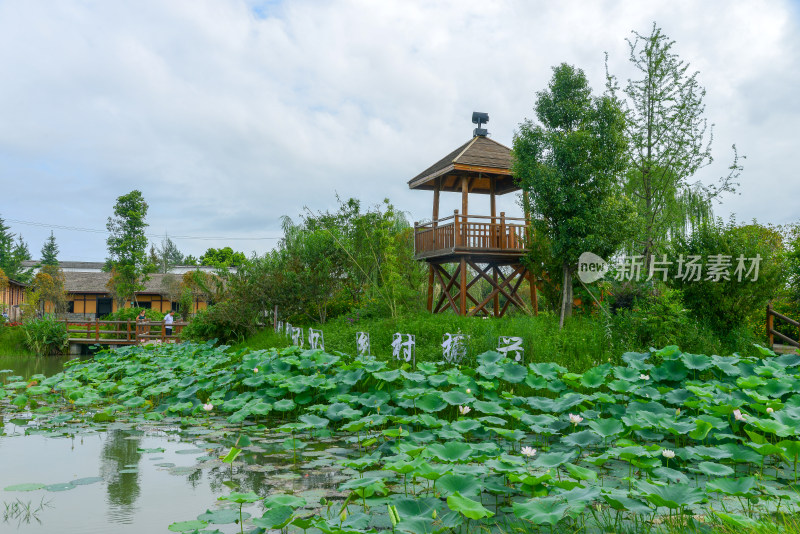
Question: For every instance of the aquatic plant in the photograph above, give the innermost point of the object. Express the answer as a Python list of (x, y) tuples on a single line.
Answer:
[(706, 437)]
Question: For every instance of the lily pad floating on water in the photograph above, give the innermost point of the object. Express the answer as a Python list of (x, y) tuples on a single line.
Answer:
[(222, 517), (24, 487), (187, 526)]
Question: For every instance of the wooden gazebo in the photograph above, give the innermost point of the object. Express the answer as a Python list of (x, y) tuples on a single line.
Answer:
[(491, 246)]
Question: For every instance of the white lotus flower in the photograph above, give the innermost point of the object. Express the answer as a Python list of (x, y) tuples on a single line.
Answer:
[(208, 407), (770, 409), (737, 414), (464, 410), (667, 453), (644, 377), (469, 391), (528, 451), (575, 419)]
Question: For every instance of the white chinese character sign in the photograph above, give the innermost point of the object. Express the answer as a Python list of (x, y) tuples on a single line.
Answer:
[(511, 347), (297, 337), (362, 344), (316, 339), (289, 329), (404, 347), (454, 347), (279, 327)]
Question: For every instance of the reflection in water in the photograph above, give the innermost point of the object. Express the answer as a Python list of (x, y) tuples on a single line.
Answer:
[(119, 451), (27, 366)]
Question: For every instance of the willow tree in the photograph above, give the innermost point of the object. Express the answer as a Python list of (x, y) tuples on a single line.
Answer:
[(669, 141), (571, 166)]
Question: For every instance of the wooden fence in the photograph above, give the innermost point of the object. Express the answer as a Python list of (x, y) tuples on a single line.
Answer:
[(772, 315), (122, 332)]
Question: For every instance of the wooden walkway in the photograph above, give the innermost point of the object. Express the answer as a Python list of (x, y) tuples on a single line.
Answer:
[(121, 332)]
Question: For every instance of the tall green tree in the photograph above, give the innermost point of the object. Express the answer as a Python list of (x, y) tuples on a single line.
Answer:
[(12, 254), (127, 246), (571, 166), (50, 251), (669, 141)]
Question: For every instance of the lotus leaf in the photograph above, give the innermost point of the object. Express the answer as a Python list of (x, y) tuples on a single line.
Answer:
[(467, 507)]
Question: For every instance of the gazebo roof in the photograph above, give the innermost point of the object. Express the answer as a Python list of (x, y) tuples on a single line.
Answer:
[(479, 158)]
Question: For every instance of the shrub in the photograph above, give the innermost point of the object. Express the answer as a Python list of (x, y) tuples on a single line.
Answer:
[(727, 305), (45, 336)]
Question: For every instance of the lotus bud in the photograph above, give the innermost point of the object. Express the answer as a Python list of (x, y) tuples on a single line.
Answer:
[(770, 409), (469, 390), (737, 414), (255, 369)]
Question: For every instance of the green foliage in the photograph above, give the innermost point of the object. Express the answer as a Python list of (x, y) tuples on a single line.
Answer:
[(667, 143), (12, 341), (45, 336), (726, 305), (223, 257), (12, 254), (127, 245), (49, 286), (166, 256), (570, 165), (50, 251), (659, 437), (130, 314), (326, 266)]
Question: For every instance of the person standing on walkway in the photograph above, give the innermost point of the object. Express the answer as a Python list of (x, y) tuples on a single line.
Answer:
[(168, 320), (140, 328)]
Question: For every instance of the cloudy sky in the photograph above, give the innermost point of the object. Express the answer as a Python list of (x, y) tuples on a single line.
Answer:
[(228, 114)]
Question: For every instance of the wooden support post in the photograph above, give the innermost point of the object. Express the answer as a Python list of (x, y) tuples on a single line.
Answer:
[(463, 295), (534, 295), (275, 319), (497, 295), (430, 287), (163, 331), (493, 213), (464, 195), (770, 319), (456, 229), (97, 330), (503, 240), (128, 336)]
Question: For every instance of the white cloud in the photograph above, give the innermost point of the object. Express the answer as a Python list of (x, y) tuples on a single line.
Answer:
[(229, 114)]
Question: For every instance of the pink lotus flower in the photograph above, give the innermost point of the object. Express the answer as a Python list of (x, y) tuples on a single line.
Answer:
[(575, 419), (737, 414), (528, 451), (208, 407)]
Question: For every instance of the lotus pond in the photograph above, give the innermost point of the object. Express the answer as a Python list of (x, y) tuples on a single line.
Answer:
[(192, 437)]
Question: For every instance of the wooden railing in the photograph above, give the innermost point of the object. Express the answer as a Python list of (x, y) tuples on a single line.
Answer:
[(121, 332), (772, 333), (478, 232)]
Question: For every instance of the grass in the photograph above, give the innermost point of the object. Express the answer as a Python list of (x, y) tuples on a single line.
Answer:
[(581, 345), (12, 342), (584, 342)]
